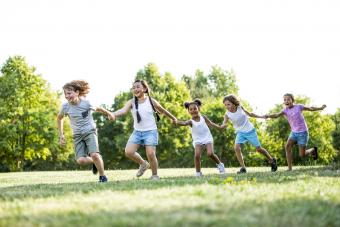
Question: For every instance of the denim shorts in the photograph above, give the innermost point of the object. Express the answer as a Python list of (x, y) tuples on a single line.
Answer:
[(300, 137), (251, 137), (146, 138)]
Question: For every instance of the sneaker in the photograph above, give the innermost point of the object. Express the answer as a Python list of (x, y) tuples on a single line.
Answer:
[(242, 170), (154, 177), (199, 174), (102, 179), (273, 165), (94, 169), (315, 153), (143, 168), (220, 168)]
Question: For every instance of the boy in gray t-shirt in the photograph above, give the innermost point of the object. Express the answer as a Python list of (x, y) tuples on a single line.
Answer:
[(85, 140)]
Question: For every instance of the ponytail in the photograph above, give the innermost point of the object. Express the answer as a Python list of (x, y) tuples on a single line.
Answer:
[(137, 113)]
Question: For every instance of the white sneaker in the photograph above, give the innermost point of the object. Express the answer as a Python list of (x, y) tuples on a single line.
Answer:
[(154, 177), (142, 169), (220, 168), (199, 174)]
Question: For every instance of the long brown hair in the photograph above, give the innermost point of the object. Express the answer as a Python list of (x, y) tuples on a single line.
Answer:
[(147, 90), (78, 85)]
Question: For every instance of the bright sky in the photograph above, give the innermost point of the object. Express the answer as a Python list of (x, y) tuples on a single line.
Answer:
[(274, 47)]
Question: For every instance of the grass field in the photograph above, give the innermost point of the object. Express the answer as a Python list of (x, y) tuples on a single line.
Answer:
[(307, 196)]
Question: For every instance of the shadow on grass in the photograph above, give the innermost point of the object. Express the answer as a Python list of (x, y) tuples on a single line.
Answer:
[(60, 189), (280, 212)]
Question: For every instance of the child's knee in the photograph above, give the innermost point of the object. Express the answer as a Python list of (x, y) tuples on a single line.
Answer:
[(81, 161), (210, 154), (95, 156)]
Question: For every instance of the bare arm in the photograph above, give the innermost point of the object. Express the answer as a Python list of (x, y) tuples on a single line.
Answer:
[(110, 115), (60, 122), (183, 123), (210, 123), (312, 108), (161, 110), (274, 115), (225, 120), (250, 114), (126, 108)]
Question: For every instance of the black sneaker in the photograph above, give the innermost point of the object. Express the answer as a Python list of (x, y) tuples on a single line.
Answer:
[(242, 170), (315, 153), (102, 179), (94, 169), (273, 165)]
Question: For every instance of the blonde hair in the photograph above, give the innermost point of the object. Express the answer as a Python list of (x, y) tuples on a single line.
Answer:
[(78, 85)]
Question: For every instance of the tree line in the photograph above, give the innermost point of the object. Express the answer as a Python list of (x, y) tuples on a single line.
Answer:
[(29, 138)]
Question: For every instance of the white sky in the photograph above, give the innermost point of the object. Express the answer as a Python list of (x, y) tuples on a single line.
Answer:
[(274, 47)]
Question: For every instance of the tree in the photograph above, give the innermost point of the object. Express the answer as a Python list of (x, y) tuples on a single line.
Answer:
[(336, 133), (28, 110)]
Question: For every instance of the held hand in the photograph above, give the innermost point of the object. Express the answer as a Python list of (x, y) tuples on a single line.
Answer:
[(323, 106), (111, 116), (62, 140), (174, 121)]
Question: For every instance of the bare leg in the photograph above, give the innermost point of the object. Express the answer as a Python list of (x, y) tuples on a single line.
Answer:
[(84, 160), (198, 151), (303, 152), (239, 155), (265, 153), (131, 153), (98, 161), (289, 146), (211, 154), (151, 155)]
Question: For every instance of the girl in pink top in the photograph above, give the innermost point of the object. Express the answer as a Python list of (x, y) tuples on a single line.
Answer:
[(299, 133)]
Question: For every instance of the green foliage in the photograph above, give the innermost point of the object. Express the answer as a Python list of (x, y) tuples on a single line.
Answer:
[(336, 132), (27, 109), (320, 128)]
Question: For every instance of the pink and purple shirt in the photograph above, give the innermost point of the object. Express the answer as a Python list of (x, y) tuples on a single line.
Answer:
[(295, 118)]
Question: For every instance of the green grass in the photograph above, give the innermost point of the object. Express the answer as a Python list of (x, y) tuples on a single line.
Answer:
[(307, 196)]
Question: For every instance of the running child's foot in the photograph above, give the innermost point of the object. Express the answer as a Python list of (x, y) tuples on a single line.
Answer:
[(154, 177), (143, 168), (315, 153), (220, 168), (273, 165), (242, 170), (102, 179), (94, 169), (199, 174)]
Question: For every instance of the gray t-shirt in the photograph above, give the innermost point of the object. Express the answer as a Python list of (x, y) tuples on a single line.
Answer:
[(80, 116)]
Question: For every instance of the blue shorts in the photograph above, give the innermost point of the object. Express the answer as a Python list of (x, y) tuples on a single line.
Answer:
[(146, 138), (300, 137), (251, 136)]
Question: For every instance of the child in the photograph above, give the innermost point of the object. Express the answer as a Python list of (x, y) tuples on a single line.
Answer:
[(245, 130), (145, 133), (299, 133), (201, 135), (85, 140)]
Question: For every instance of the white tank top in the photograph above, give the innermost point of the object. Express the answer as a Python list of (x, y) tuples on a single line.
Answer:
[(145, 110), (240, 120), (200, 132)]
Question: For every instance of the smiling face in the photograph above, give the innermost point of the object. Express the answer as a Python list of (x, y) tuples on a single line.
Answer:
[(288, 101), (229, 106), (138, 89), (71, 95), (193, 110)]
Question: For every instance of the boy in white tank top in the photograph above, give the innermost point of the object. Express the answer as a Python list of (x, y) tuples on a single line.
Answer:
[(245, 130), (201, 135)]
